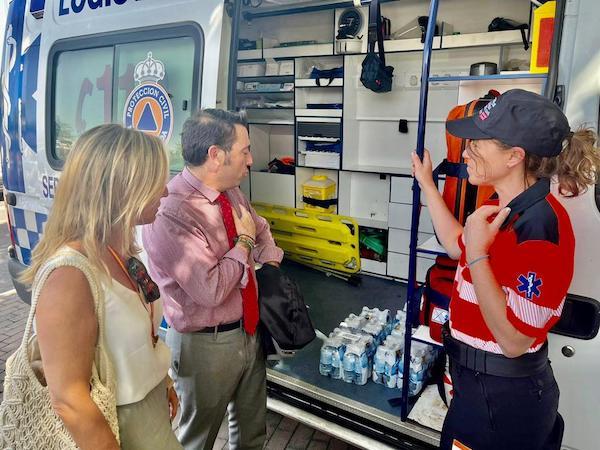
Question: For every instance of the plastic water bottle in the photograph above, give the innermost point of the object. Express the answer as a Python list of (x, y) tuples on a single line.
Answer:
[(398, 330), (400, 317), (376, 313), (336, 360), (375, 329), (327, 351), (353, 322), (362, 370), (379, 365), (351, 359), (414, 387), (385, 362)]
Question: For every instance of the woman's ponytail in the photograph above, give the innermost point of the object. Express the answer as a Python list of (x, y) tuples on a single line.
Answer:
[(576, 167)]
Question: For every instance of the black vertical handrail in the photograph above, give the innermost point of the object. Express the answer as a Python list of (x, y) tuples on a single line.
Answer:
[(552, 81), (416, 205), (233, 55)]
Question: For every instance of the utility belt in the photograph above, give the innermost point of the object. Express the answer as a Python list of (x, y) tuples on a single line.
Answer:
[(489, 363)]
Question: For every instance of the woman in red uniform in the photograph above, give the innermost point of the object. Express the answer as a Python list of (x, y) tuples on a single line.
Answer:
[(515, 266)]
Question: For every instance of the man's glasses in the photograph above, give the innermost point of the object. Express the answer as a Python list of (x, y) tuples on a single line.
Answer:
[(138, 272)]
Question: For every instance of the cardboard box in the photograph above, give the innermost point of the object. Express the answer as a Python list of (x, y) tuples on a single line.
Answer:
[(251, 70)]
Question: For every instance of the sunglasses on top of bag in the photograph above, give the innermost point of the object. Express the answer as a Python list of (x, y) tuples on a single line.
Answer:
[(137, 271)]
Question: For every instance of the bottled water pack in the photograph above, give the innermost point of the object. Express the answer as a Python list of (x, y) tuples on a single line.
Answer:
[(371, 345)]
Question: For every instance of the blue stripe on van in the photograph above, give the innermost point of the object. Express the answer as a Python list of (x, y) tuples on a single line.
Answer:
[(37, 6), (25, 256), (40, 220), (27, 228), (19, 218)]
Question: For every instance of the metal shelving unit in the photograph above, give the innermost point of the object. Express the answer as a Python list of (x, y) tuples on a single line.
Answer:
[(500, 76)]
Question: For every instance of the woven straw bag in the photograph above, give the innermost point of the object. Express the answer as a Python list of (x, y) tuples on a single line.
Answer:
[(27, 420)]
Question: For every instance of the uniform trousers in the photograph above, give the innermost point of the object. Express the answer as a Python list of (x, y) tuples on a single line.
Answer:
[(488, 412)]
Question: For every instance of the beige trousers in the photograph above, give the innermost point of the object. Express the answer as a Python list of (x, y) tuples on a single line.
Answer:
[(215, 374), (145, 425)]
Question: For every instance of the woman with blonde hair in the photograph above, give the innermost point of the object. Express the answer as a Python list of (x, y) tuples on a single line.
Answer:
[(516, 257), (113, 180)]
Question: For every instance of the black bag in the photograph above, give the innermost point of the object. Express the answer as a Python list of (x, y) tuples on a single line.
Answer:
[(375, 75), (326, 74), (502, 24), (284, 317)]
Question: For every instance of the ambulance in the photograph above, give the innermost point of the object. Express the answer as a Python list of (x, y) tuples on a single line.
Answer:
[(294, 66)]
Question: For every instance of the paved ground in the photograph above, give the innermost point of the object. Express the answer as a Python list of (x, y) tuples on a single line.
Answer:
[(13, 312), (282, 432)]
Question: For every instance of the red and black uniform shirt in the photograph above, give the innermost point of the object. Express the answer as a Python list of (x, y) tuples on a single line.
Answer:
[(532, 259)]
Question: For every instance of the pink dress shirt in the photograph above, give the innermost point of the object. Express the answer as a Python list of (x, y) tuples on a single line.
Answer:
[(198, 274)]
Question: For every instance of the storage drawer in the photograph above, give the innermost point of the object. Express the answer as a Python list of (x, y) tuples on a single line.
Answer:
[(251, 70), (399, 240), (397, 266), (320, 129), (401, 191), (368, 265), (400, 216)]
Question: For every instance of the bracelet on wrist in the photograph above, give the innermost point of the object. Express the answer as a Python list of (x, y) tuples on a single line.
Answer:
[(245, 244), (250, 238), (476, 260), (246, 241)]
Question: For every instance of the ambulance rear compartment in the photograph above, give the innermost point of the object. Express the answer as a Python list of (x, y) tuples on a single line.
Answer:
[(283, 51)]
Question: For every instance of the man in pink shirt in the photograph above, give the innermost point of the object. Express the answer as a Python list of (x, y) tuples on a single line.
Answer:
[(202, 248)]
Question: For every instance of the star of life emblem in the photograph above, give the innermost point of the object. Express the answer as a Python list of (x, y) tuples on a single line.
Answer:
[(530, 285)]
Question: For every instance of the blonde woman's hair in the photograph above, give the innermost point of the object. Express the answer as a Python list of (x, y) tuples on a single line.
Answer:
[(576, 167), (111, 174)]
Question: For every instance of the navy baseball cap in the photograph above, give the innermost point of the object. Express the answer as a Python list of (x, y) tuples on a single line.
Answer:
[(518, 118)]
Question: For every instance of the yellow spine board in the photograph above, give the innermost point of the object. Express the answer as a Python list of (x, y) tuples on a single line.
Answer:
[(325, 240)]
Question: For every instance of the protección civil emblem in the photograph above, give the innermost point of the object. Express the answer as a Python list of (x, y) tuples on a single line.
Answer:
[(148, 107)]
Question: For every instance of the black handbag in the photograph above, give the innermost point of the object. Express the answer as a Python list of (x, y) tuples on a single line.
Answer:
[(375, 75), (285, 322)]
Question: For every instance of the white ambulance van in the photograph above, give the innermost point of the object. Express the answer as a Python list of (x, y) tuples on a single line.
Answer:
[(69, 65)]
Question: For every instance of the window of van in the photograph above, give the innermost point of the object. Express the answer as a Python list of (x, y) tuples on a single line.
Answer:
[(76, 113), (150, 84)]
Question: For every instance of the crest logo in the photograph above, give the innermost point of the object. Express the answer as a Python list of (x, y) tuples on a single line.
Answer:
[(148, 107)]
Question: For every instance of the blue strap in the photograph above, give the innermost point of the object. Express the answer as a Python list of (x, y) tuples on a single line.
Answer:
[(450, 169)]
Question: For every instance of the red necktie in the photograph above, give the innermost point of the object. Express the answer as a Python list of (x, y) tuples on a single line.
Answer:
[(249, 298)]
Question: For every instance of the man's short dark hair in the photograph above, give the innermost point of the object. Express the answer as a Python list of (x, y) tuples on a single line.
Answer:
[(209, 127)]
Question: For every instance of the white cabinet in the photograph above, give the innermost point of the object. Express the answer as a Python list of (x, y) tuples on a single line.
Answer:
[(402, 190), (400, 216), (397, 266), (399, 240), (269, 142), (364, 196), (368, 265), (273, 188)]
